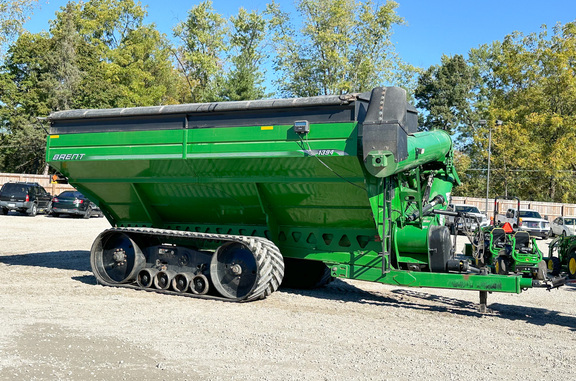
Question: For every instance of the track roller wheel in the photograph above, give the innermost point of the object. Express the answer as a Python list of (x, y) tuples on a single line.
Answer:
[(116, 258), (239, 273), (181, 281), (163, 279), (145, 278), (199, 285)]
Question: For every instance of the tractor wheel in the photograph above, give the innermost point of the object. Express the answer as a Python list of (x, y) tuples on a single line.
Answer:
[(554, 266), (572, 265), (502, 265)]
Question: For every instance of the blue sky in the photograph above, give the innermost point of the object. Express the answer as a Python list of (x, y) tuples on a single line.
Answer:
[(434, 27)]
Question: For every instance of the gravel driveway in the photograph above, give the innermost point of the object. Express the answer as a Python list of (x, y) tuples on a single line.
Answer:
[(57, 324)]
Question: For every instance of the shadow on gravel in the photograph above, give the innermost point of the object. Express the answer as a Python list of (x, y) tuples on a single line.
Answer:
[(341, 291), (65, 260), (404, 298)]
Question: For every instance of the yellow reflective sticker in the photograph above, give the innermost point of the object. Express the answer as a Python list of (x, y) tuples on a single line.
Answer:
[(266, 128), (54, 136)]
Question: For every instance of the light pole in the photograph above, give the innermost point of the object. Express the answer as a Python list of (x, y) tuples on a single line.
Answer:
[(498, 123), (482, 122)]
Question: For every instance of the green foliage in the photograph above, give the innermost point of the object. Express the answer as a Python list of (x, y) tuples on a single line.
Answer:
[(244, 82), (202, 35), (343, 46), (13, 14), (97, 54), (536, 100), (445, 91), (528, 82)]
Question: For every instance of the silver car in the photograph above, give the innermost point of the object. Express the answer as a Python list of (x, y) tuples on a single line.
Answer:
[(563, 226)]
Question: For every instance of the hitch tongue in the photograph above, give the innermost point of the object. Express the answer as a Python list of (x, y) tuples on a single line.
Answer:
[(550, 283)]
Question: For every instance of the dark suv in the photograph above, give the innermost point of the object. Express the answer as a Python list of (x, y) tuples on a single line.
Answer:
[(27, 198)]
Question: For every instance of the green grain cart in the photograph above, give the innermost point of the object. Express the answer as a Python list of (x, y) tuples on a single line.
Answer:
[(225, 200)]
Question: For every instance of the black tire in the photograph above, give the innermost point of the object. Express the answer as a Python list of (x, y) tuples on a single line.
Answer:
[(247, 271), (572, 265), (33, 210), (305, 274), (3, 211), (88, 213), (554, 266), (54, 214)]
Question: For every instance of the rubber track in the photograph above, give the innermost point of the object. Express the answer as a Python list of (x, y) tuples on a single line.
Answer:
[(268, 258)]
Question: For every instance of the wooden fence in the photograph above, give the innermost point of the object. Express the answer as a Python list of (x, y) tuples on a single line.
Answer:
[(44, 180), (549, 210)]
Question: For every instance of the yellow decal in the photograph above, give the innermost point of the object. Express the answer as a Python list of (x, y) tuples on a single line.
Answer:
[(54, 136), (266, 128)]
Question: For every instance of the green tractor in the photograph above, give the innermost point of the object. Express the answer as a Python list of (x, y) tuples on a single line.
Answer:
[(507, 251), (562, 255)]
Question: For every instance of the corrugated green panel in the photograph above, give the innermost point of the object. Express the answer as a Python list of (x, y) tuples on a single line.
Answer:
[(117, 138), (270, 133)]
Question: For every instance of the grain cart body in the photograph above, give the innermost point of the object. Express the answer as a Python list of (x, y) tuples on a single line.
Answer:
[(224, 198)]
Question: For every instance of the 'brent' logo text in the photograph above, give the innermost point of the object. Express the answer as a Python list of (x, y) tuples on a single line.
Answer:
[(68, 156)]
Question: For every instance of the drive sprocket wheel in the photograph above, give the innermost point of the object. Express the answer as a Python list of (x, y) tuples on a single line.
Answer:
[(244, 272)]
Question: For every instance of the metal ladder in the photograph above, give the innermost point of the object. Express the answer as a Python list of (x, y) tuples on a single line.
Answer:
[(387, 227)]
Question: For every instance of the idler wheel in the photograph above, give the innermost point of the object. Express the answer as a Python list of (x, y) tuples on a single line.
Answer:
[(146, 276), (181, 281), (199, 285), (116, 258), (163, 279), (234, 271)]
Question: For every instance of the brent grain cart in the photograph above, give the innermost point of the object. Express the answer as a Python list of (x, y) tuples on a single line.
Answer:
[(222, 199)]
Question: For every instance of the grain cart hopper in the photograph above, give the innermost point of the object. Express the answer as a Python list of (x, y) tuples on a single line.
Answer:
[(213, 199)]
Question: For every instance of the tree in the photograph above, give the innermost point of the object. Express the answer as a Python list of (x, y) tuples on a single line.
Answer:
[(244, 81), (200, 55), (97, 54), (343, 46), (13, 14), (445, 93), (528, 83)]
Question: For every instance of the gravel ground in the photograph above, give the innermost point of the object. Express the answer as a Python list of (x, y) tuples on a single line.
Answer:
[(57, 323)]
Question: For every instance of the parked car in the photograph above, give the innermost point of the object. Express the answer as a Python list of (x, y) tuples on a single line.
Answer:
[(473, 214), (529, 220), (563, 226), (74, 203), (27, 198)]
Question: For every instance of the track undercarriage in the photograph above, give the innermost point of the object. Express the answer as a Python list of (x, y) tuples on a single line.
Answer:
[(229, 267)]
